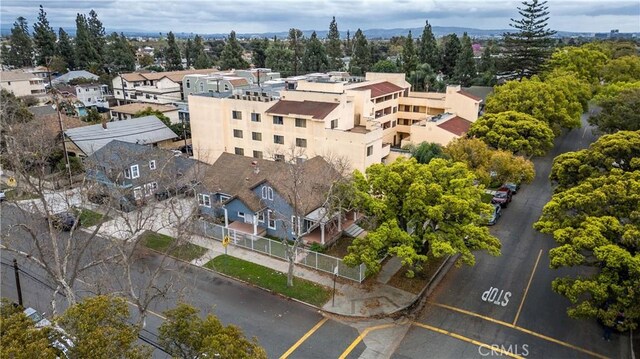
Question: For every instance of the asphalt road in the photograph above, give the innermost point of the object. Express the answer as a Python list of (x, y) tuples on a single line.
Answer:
[(507, 301), (277, 323)]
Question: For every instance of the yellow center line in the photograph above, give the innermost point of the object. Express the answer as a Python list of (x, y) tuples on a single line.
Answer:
[(468, 340), (304, 337), (530, 332), (527, 288), (360, 337)]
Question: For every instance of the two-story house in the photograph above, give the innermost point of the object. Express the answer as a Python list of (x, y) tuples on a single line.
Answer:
[(276, 198), (130, 173), (22, 84), (93, 95), (126, 112)]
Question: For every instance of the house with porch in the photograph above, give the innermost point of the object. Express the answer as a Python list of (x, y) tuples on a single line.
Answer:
[(273, 198)]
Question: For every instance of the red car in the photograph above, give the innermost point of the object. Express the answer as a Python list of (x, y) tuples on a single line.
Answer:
[(502, 197)]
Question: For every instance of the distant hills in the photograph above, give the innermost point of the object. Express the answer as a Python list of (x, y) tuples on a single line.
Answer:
[(438, 31)]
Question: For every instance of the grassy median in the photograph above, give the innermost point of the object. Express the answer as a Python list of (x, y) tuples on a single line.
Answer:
[(166, 244), (89, 218), (268, 278)]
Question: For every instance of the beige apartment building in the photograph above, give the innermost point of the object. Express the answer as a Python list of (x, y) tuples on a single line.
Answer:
[(22, 83), (364, 122)]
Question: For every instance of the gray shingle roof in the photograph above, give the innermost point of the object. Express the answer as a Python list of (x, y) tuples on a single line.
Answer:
[(74, 75), (142, 130)]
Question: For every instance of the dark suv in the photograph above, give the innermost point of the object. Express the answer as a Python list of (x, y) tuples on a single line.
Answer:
[(65, 221), (502, 197)]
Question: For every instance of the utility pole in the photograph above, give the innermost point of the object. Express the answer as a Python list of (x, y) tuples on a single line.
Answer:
[(15, 270), (64, 138)]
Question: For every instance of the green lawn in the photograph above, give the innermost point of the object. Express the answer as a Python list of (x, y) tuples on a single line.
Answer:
[(268, 278), (89, 218), (165, 244)]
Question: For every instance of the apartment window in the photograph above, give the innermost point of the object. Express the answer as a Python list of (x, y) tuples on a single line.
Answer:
[(255, 117), (301, 142), (393, 123), (257, 154), (334, 124), (152, 164), (395, 109), (223, 198), (369, 150), (256, 136), (236, 115), (239, 151), (278, 139), (237, 133), (271, 219), (267, 193), (241, 214), (294, 224), (278, 157), (204, 200), (150, 188), (127, 173), (261, 217), (301, 122), (135, 171), (188, 84), (278, 120)]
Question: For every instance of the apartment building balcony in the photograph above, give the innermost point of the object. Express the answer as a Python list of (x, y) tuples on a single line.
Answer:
[(386, 149)]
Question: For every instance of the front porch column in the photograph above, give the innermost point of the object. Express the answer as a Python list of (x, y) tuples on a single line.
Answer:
[(355, 216), (226, 217), (322, 233), (255, 224)]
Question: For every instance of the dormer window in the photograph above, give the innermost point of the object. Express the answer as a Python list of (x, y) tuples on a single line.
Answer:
[(152, 164), (267, 193)]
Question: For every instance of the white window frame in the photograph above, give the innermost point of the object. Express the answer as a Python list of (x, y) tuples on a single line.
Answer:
[(271, 219), (204, 200), (135, 171), (264, 192), (261, 217), (127, 173), (138, 193), (241, 215), (152, 164), (270, 193), (294, 224), (223, 198)]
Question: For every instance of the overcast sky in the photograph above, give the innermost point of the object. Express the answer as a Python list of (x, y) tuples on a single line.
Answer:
[(245, 16)]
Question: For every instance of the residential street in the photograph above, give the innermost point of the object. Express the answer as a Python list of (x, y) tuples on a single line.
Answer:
[(525, 320)]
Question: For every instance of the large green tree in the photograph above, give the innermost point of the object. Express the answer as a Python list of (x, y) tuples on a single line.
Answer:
[(409, 56), (465, 69), (419, 210), (596, 225), (315, 57), (361, 57), (619, 150), (451, 49), (621, 113), (424, 152), (259, 52), (200, 58), (610, 91), (65, 49), (189, 53), (100, 329), (585, 63), (334, 47), (86, 53), (19, 336), (487, 67), (184, 334), (279, 57), (425, 79), (296, 45), (44, 38), (21, 52), (385, 66), (539, 99), (119, 55), (514, 131), (172, 56), (428, 52), (97, 35), (527, 48), (491, 167), (231, 57), (622, 69)]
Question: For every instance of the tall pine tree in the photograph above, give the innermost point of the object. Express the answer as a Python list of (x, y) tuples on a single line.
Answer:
[(231, 57), (487, 66), (86, 53), (200, 58), (44, 39), (172, 57), (120, 56), (428, 52), (528, 48), (315, 56), (296, 45), (465, 69), (21, 52), (279, 57), (65, 50), (189, 53), (450, 51), (97, 35), (409, 57), (259, 52), (361, 56), (334, 47)]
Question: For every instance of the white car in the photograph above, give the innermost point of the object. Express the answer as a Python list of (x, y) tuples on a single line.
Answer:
[(37, 318)]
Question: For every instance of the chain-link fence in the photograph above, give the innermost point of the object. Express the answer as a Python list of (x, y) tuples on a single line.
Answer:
[(277, 249)]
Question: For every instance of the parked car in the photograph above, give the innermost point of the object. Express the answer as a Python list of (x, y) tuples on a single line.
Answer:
[(165, 194), (65, 221), (188, 149), (37, 318), (497, 212), (60, 340), (3, 196), (502, 197), (514, 187)]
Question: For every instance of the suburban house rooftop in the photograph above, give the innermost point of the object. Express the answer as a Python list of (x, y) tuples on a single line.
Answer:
[(315, 109), (175, 76)]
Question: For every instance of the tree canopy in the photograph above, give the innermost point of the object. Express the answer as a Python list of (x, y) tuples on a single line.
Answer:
[(622, 69), (465, 69), (315, 57), (620, 113), (44, 38), (424, 152), (172, 56), (334, 47), (19, 336), (545, 101), (515, 132), (21, 52), (361, 54), (428, 52), (185, 335), (409, 57), (585, 63), (296, 45), (231, 57), (279, 57), (420, 209), (451, 49)]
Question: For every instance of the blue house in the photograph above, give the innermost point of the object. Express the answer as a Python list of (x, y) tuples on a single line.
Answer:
[(275, 198)]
